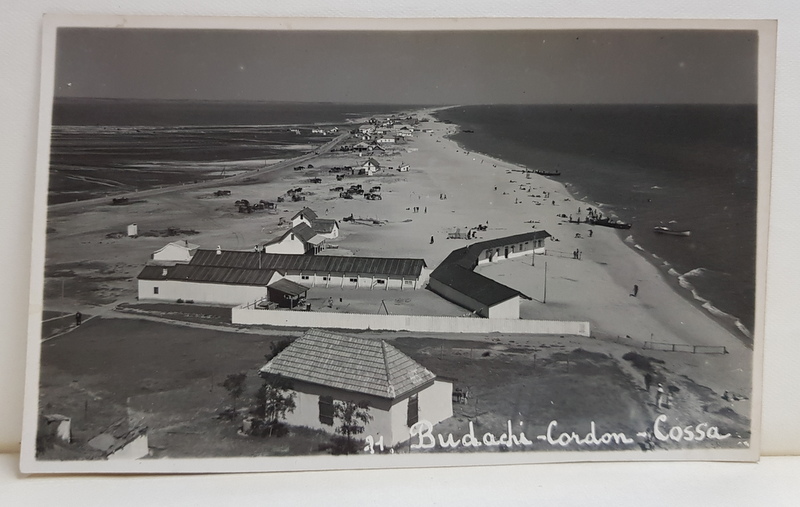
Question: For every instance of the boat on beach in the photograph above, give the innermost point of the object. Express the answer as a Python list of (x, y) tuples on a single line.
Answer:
[(671, 232), (547, 173), (607, 222)]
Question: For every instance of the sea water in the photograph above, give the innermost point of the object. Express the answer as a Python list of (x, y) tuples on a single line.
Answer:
[(691, 167)]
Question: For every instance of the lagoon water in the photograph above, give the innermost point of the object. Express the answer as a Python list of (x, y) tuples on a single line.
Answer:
[(682, 166)]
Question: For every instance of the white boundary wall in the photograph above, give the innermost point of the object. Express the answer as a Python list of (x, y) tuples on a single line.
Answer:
[(288, 318)]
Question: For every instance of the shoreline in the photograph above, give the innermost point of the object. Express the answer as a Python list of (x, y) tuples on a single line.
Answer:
[(671, 277), (595, 289)]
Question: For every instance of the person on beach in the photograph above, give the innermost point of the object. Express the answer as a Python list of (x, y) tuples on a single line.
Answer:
[(78, 319), (431, 240), (648, 381), (660, 396), (635, 290), (590, 233)]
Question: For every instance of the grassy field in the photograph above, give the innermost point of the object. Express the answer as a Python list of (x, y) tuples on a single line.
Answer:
[(168, 377)]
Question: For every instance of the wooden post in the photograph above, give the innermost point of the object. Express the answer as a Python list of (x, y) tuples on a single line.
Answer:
[(544, 297)]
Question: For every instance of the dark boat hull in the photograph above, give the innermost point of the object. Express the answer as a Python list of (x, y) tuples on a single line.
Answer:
[(610, 223)]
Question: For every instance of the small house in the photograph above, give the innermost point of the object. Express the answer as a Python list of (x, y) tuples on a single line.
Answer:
[(371, 166), (328, 368), (300, 239)]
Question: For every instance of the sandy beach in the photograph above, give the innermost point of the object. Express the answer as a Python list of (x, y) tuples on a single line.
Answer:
[(89, 265)]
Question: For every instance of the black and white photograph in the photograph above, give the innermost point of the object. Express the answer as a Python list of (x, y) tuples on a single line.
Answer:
[(336, 244)]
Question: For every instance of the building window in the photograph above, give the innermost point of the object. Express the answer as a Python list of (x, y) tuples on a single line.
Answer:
[(304, 277), (155, 290), (354, 280), (413, 410), (326, 410), (380, 282), (324, 278), (408, 282)]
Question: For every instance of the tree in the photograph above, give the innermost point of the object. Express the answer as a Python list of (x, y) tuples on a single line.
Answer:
[(354, 418), (276, 348), (274, 399), (234, 383)]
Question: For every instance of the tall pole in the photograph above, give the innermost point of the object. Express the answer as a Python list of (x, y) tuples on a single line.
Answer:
[(544, 297)]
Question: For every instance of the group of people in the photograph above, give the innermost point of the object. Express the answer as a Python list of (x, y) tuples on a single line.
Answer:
[(576, 254), (663, 398), (415, 209)]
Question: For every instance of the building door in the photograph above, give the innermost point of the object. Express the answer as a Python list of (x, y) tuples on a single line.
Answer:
[(506, 252)]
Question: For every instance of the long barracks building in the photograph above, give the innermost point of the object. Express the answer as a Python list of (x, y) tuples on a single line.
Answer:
[(455, 280), (235, 277)]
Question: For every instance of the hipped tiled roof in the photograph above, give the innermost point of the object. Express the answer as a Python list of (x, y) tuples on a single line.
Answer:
[(359, 365)]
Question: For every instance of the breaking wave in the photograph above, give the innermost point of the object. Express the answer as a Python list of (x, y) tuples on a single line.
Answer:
[(705, 303)]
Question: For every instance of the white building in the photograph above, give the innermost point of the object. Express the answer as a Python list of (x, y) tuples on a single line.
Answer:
[(327, 228), (455, 280), (371, 166), (327, 368), (235, 277), (300, 239)]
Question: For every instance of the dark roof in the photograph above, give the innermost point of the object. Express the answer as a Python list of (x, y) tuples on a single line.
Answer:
[(323, 225), (116, 436), (154, 272), (350, 363), (307, 212), (207, 274), (303, 232), (455, 271), (310, 263), (483, 290), (288, 287), (215, 274), (371, 161)]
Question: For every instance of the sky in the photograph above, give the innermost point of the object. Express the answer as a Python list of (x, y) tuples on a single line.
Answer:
[(416, 67)]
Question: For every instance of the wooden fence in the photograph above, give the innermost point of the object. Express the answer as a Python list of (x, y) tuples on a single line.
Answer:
[(692, 349)]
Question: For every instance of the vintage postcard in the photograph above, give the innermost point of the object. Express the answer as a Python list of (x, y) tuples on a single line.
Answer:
[(270, 244)]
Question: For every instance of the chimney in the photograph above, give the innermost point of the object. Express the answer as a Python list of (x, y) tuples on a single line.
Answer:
[(219, 250)]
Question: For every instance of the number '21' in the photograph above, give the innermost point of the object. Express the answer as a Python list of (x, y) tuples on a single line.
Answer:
[(371, 443)]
